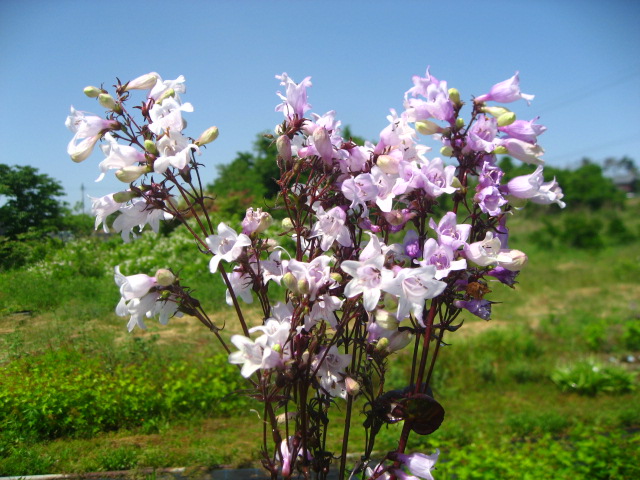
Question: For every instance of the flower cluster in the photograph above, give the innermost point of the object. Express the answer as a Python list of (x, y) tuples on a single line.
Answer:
[(391, 246)]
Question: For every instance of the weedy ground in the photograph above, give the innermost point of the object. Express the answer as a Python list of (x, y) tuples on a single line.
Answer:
[(547, 389)]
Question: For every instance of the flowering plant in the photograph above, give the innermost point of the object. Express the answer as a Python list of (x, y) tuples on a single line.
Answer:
[(390, 247)]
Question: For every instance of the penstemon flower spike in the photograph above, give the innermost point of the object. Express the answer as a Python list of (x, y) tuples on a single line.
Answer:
[(377, 265)]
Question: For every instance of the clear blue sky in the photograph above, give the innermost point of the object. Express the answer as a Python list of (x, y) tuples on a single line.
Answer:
[(579, 57)]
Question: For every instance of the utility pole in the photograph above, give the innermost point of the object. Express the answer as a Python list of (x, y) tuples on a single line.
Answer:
[(82, 194)]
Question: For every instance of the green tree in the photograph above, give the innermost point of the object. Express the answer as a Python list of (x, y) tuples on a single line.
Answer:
[(28, 200)]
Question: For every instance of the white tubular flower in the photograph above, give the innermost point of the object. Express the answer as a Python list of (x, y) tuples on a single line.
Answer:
[(167, 116), (252, 356), (139, 301), (490, 252), (103, 207), (330, 226), (137, 214), (227, 245), (118, 156), (88, 129), (413, 286)]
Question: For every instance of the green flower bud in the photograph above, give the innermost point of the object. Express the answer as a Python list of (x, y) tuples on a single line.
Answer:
[(506, 119), (388, 164), (455, 183), (494, 111), (208, 136), (122, 197), (107, 101), (427, 127), (170, 92), (454, 96), (290, 281), (382, 344), (276, 348), (459, 122), (131, 174), (303, 286), (92, 92), (446, 151), (500, 150), (336, 277), (287, 224), (165, 277), (150, 147)]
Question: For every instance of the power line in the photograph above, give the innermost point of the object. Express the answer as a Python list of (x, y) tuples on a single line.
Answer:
[(619, 141), (586, 92)]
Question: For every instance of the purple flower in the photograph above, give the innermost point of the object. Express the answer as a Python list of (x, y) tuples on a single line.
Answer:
[(330, 226), (505, 92), (441, 257), (489, 199), (420, 464), (482, 134), (295, 102), (480, 308), (503, 275), (450, 232), (523, 130)]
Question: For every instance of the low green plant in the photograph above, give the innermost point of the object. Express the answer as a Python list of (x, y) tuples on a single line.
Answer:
[(65, 392), (589, 377)]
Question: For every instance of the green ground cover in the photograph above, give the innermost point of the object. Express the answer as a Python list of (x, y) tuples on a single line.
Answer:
[(547, 389)]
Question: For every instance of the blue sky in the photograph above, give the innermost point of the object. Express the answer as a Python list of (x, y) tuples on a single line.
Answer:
[(580, 59)]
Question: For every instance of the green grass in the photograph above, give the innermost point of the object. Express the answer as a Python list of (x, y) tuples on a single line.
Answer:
[(506, 418)]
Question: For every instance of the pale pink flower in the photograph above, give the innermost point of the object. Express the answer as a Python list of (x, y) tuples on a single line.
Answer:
[(227, 245)]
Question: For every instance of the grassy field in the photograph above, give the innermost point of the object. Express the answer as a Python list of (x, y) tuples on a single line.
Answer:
[(546, 389)]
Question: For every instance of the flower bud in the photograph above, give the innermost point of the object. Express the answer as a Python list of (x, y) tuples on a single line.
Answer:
[(427, 127), (336, 277), (495, 111), (283, 144), (165, 277), (382, 344), (276, 348), (92, 92), (385, 320), (500, 150), (506, 119), (446, 151), (143, 82), (518, 261), (459, 122), (286, 223), (125, 196), (454, 96), (150, 147), (107, 101), (303, 286), (388, 164), (132, 173), (455, 183), (169, 92), (290, 281), (208, 136), (352, 386)]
